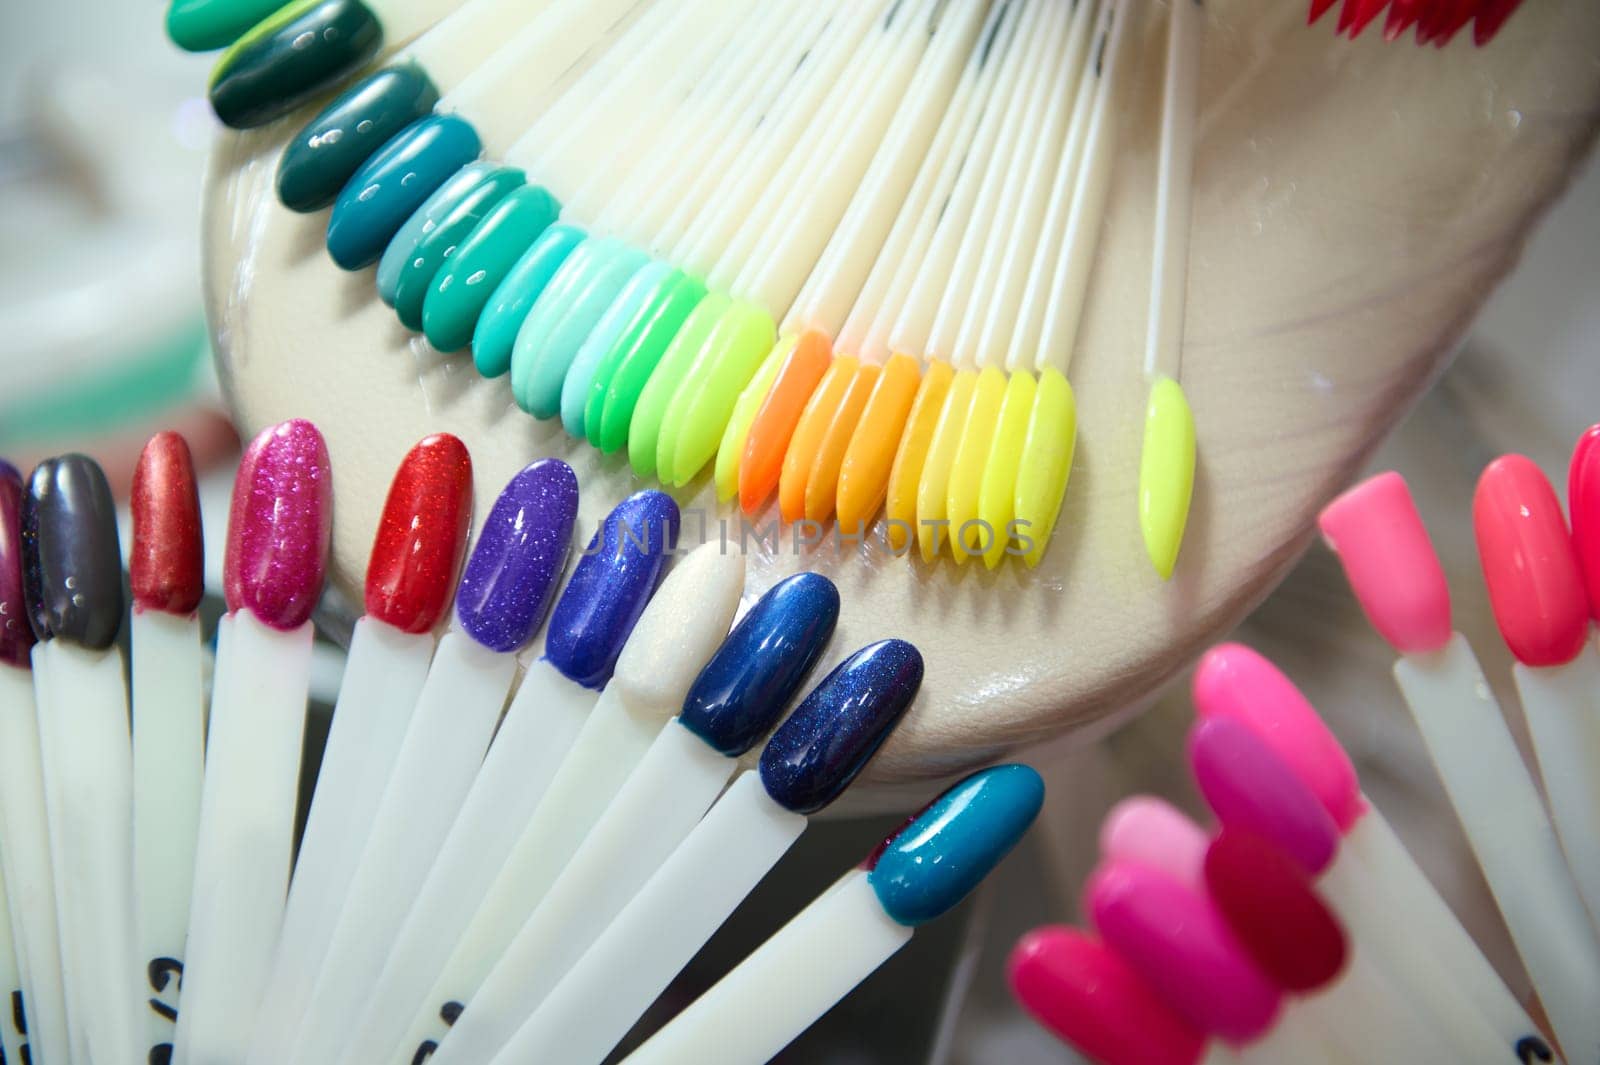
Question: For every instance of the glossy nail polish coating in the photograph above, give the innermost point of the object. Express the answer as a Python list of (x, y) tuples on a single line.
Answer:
[(424, 220), (1251, 789), (16, 633), (495, 336), (1274, 913), (421, 535), (279, 526), (521, 551), (436, 247), (610, 586), (839, 726), (206, 25), (289, 58), (325, 154), (1079, 988), (1535, 586), (935, 861), (166, 567), (71, 560), (759, 667), (393, 183), (462, 288), (1583, 503)]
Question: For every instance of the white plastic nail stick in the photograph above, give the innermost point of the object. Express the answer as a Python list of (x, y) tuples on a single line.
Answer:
[(13, 1036), (1163, 353)]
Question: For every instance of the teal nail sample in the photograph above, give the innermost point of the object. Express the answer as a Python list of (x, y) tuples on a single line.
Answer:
[(617, 317), (393, 183), (496, 332), (301, 51), (422, 222), (431, 253), (206, 25), (940, 855), (325, 154), (469, 278)]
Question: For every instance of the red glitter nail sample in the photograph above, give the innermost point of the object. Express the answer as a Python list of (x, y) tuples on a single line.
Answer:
[(421, 535), (280, 526), (166, 565)]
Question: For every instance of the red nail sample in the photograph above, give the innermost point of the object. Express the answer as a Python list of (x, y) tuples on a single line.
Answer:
[(1318, 9), (421, 536), (1492, 15), (166, 564), (1583, 501)]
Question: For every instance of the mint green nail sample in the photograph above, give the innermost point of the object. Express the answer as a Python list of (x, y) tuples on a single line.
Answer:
[(496, 332), (623, 309), (468, 279), (206, 25), (436, 246), (422, 222)]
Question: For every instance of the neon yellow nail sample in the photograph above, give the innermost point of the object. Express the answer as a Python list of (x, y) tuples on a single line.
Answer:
[(933, 489), (1046, 463), (700, 411), (731, 449), (967, 536), (997, 499), (1166, 473), (645, 426)]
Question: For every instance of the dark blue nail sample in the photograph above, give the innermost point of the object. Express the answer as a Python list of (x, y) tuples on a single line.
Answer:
[(392, 184), (840, 725), (71, 561), (945, 851), (521, 551), (759, 667), (610, 586), (16, 633)]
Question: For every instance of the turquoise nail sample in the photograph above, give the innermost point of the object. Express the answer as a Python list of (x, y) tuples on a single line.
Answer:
[(290, 57), (575, 388), (325, 154), (436, 246), (496, 332), (466, 283), (549, 342), (394, 183), (940, 855), (422, 222)]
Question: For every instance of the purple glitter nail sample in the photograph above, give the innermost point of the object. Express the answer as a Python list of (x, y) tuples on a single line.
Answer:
[(610, 587), (16, 634), (521, 551), (279, 526)]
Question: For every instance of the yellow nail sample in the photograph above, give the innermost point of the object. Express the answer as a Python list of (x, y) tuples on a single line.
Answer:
[(1166, 473), (900, 499), (1045, 464), (997, 500), (933, 488), (864, 473), (971, 458), (731, 449)]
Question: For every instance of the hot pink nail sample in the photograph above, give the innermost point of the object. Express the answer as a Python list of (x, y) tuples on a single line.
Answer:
[(279, 526), (1583, 504)]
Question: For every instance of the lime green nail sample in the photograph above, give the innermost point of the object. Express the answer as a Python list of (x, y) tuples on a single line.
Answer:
[(206, 25), (651, 410), (496, 332), (436, 247), (580, 377), (1166, 473), (468, 280), (1046, 462), (627, 368), (732, 355)]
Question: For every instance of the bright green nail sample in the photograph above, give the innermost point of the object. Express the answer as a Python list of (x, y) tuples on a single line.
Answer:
[(627, 368), (206, 25), (732, 355), (651, 410), (304, 49), (422, 222), (431, 253), (580, 377), (466, 283), (496, 331)]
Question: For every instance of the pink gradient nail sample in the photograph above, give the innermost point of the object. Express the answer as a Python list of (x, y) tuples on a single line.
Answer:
[(1250, 788), (1390, 563), (1153, 832), (1234, 681), (1179, 942), (279, 526), (1078, 988)]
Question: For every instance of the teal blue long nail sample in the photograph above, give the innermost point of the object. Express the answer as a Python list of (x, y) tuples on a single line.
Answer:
[(324, 155), (760, 666), (290, 57), (422, 222), (580, 375), (394, 183), (496, 333), (416, 278), (464, 286), (940, 855)]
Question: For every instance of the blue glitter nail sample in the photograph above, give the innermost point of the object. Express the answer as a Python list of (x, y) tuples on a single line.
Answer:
[(762, 663), (610, 586), (840, 725), (945, 851), (521, 550)]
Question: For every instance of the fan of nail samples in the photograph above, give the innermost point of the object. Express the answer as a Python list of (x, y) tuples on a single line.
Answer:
[(1436, 21), (830, 255), (526, 845)]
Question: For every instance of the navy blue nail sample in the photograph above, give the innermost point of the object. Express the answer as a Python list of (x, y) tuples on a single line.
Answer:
[(759, 667), (16, 633), (71, 561), (610, 586), (940, 855), (521, 551), (817, 752)]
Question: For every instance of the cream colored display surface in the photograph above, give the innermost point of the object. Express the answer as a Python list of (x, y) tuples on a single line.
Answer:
[(1354, 203)]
